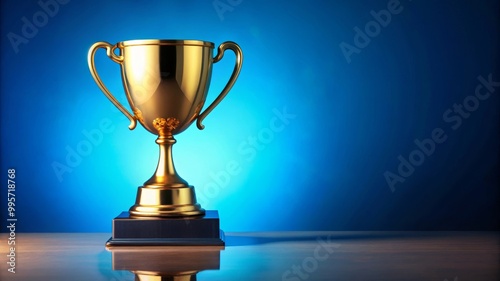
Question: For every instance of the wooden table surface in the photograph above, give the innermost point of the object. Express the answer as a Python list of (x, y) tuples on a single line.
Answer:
[(293, 256)]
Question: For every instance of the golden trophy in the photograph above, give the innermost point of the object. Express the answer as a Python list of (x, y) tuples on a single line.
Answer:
[(166, 84)]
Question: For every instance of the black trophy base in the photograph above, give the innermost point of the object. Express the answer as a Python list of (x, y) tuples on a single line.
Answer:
[(190, 231)]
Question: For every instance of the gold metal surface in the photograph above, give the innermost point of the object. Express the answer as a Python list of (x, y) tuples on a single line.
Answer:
[(138, 115), (165, 126), (146, 276), (237, 67), (166, 84), (119, 59)]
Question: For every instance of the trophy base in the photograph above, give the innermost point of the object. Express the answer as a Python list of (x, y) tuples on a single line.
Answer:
[(147, 231), (159, 201)]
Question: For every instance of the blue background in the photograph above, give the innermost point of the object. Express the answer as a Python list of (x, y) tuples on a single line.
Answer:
[(323, 170)]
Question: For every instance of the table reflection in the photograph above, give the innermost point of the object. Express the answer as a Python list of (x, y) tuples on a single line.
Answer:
[(165, 263), (312, 256)]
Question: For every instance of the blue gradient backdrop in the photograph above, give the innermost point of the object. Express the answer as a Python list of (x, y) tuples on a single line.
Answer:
[(320, 169)]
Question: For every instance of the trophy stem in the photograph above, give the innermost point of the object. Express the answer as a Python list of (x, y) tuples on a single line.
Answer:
[(166, 176), (166, 194)]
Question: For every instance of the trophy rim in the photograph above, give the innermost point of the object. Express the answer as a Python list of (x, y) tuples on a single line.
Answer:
[(168, 42)]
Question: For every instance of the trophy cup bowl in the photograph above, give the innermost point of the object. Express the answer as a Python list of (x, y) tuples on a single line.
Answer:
[(166, 84)]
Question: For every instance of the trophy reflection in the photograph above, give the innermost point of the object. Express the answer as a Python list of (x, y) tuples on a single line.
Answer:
[(166, 264), (166, 84)]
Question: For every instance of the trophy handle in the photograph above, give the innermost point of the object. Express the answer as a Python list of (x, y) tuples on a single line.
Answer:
[(118, 59), (237, 67)]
